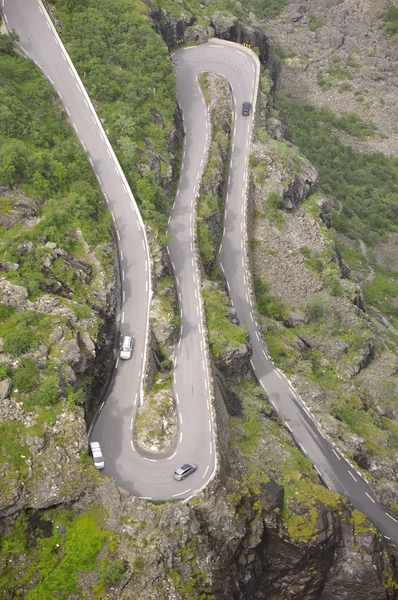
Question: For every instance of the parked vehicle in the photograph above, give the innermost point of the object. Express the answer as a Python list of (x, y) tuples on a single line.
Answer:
[(96, 452)]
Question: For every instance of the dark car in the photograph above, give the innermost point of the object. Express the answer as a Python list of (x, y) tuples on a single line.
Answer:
[(184, 471), (246, 108)]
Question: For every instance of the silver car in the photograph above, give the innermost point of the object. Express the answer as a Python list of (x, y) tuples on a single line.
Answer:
[(127, 347), (184, 471)]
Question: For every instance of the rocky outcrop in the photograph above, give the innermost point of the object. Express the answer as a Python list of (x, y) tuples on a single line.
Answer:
[(219, 25)]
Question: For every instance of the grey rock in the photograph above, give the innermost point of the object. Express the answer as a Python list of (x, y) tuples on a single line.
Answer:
[(5, 388), (26, 247), (9, 266), (301, 186), (12, 295), (329, 37)]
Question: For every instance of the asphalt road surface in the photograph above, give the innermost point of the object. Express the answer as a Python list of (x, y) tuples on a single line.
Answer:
[(138, 474), (334, 470)]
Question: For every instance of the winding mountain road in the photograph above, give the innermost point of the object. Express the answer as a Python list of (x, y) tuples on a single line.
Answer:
[(141, 475)]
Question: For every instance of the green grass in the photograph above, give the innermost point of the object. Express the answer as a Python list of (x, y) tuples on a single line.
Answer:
[(222, 333), (55, 559), (267, 305), (382, 292), (303, 526), (361, 524)]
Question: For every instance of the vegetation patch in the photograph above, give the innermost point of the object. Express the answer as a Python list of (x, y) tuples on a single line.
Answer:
[(52, 559), (222, 333), (126, 68), (267, 305), (366, 184), (391, 19)]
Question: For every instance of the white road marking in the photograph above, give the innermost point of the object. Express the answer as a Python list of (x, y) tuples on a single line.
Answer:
[(318, 471), (135, 399), (132, 445), (102, 406), (288, 426), (124, 296), (121, 252), (354, 478), (370, 498), (23, 49), (67, 110), (63, 56), (149, 459), (186, 491), (392, 519), (131, 423), (98, 177), (209, 425), (123, 274), (211, 448), (180, 440), (49, 79), (145, 497), (84, 146), (302, 447), (335, 453), (274, 405), (177, 400), (123, 317), (117, 362), (172, 456), (181, 418), (205, 473)]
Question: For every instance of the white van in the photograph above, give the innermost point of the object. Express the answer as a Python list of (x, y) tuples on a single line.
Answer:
[(99, 460)]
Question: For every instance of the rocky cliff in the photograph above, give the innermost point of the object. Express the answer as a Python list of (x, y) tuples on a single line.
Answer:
[(267, 528)]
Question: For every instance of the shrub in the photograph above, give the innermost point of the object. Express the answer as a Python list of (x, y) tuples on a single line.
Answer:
[(26, 377), (274, 214), (265, 83), (3, 372), (114, 572), (20, 341), (391, 18), (315, 21), (266, 304), (47, 393), (317, 307)]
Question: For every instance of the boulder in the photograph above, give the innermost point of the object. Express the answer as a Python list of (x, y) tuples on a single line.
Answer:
[(329, 37), (12, 295), (5, 388)]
